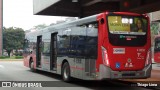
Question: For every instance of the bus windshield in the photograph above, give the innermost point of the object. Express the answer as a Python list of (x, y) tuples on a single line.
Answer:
[(127, 25), (127, 30)]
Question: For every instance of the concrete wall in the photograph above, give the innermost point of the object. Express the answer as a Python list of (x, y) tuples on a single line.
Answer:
[(156, 16)]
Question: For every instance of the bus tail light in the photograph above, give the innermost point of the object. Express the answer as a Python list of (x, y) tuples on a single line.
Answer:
[(148, 58), (105, 57)]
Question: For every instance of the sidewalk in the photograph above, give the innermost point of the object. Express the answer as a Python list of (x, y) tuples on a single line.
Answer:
[(156, 66)]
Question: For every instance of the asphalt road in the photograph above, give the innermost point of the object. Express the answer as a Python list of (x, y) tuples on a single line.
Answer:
[(15, 71)]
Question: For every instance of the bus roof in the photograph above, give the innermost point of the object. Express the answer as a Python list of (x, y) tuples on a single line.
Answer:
[(81, 21), (64, 25)]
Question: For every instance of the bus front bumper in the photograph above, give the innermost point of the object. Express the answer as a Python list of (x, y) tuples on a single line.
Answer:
[(107, 73)]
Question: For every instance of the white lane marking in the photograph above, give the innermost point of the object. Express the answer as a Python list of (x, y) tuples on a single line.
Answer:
[(1, 66)]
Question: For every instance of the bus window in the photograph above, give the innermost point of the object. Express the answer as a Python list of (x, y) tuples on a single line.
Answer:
[(91, 41), (127, 30), (78, 37), (63, 41), (46, 48), (127, 25)]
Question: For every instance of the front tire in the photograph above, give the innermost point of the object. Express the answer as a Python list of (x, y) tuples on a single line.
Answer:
[(32, 66), (66, 72)]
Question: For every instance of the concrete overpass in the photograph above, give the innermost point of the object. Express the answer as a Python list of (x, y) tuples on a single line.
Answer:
[(82, 8)]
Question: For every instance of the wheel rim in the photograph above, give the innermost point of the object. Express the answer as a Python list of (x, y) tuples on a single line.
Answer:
[(65, 73)]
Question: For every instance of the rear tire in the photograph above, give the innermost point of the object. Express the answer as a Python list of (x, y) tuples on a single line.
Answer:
[(66, 72)]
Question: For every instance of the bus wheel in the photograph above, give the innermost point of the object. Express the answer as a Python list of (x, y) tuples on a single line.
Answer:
[(32, 66), (66, 72)]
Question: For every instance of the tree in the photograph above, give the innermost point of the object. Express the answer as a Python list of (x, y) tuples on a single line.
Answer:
[(13, 38), (154, 28), (40, 26)]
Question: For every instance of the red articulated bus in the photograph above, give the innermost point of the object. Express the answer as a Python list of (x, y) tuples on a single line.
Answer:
[(157, 49), (114, 45)]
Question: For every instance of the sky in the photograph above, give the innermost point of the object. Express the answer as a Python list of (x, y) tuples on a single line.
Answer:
[(19, 13)]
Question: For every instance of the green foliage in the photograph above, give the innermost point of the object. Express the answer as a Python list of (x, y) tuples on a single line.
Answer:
[(154, 31), (10, 58), (154, 28), (13, 39), (40, 26), (18, 57), (4, 57), (18, 53)]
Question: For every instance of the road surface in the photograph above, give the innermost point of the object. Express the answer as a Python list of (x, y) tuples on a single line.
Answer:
[(15, 71)]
